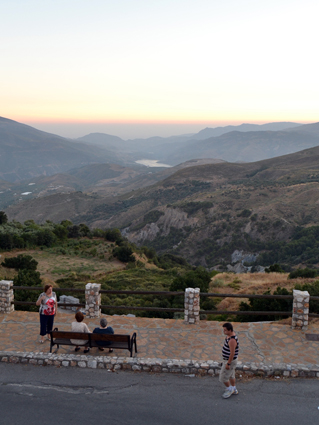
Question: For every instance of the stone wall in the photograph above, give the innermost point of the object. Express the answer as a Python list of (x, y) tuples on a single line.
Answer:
[(186, 367), (191, 305), (92, 300), (6, 296), (300, 310)]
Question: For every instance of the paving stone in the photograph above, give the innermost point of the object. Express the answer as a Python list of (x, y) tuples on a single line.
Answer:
[(168, 345)]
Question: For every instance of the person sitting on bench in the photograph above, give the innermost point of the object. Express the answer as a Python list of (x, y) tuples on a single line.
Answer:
[(104, 329), (79, 326)]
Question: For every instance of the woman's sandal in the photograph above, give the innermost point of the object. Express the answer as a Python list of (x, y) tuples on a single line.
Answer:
[(101, 348), (86, 350), (77, 349), (111, 350)]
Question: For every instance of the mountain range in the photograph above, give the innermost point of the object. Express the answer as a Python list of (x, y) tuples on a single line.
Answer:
[(203, 213), (26, 153), (202, 208)]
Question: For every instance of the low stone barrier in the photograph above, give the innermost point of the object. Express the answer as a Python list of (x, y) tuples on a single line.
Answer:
[(92, 300), (191, 305), (300, 310), (68, 299), (6, 296), (186, 367)]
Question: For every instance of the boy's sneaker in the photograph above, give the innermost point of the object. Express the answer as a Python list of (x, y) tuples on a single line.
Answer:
[(235, 391), (228, 392)]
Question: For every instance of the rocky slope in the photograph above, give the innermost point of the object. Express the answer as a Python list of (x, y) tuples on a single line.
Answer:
[(203, 213)]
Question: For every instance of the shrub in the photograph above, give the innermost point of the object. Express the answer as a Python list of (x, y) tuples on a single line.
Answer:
[(20, 262), (244, 213), (303, 273), (198, 278), (26, 278), (114, 235), (266, 304), (218, 283), (274, 268), (313, 289), (124, 253)]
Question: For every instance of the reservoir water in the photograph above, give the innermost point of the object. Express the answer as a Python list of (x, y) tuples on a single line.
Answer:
[(152, 163)]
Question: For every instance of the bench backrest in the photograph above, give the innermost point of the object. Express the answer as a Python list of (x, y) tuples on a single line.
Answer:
[(69, 335), (90, 336), (110, 337)]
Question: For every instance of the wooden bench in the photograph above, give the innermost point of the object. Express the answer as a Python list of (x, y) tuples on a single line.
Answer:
[(122, 342)]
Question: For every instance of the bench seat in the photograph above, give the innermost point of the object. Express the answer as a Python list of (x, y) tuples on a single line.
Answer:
[(117, 341)]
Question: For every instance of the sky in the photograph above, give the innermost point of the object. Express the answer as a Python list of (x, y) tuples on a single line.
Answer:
[(157, 68)]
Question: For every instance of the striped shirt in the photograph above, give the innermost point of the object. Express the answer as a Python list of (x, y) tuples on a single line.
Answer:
[(226, 349)]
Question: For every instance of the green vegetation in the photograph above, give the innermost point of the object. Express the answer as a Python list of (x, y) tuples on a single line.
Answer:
[(26, 277), (302, 248), (192, 207), (150, 217), (20, 262), (274, 268), (313, 289), (304, 273), (3, 217), (77, 241), (264, 304)]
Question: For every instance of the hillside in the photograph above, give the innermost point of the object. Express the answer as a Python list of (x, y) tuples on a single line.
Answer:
[(204, 213), (206, 133), (96, 179), (27, 153), (249, 146), (229, 143)]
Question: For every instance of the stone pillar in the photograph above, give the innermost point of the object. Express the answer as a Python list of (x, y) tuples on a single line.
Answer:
[(191, 305), (300, 310), (6, 296), (92, 300)]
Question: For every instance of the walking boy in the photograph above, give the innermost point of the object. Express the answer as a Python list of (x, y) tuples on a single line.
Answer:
[(230, 354)]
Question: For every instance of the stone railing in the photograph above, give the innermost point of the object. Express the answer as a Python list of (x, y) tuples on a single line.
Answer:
[(92, 300), (6, 296), (300, 311), (191, 306)]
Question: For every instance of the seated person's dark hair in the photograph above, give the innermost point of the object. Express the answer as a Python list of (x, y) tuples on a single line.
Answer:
[(79, 316)]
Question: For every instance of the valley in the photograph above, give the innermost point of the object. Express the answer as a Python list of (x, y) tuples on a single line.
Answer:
[(203, 209)]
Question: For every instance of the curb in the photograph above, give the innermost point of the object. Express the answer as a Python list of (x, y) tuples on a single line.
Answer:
[(198, 368)]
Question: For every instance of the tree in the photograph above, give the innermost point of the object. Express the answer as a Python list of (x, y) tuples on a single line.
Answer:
[(114, 235), (3, 217), (266, 304), (198, 278), (6, 241), (26, 278), (74, 231), (124, 253), (84, 230)]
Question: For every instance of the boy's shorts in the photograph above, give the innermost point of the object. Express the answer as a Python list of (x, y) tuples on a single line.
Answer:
[(226, 374)]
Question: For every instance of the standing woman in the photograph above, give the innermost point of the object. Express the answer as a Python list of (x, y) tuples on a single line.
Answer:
[(48, 307)]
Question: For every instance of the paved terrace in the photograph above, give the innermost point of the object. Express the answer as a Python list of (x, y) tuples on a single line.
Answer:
[(263, 345)]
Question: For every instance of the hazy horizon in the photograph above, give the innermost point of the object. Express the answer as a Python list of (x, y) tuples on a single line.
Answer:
[(130, 130)]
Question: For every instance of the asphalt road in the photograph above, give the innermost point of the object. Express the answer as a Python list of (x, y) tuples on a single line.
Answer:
[(48, 395)]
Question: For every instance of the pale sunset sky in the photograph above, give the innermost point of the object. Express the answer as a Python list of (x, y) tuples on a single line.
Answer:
[(157, 68)]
